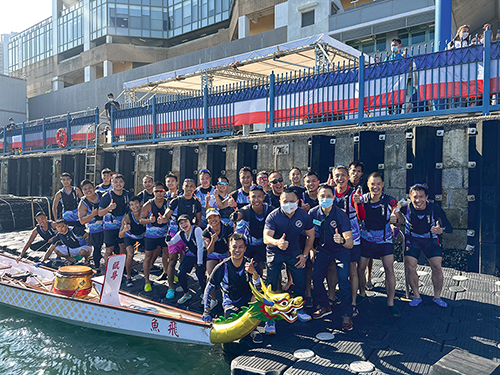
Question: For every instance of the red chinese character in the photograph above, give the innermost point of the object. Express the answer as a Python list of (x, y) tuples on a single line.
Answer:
[(114, 275), (154, 325), (172, 329), (116, 265)]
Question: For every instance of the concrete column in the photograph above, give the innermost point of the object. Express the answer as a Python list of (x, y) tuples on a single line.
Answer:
[(107, 68), (109, 39), (243, 27), (90, 73), (442, 20), (57, 83), (281, 15), (86, 25), (57, 6)]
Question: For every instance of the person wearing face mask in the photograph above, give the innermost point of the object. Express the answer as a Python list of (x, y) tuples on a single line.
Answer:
[(333, 229), (396, 54), (11, 125), (111, 102), (424, 224), (461, 38), (282, 230)]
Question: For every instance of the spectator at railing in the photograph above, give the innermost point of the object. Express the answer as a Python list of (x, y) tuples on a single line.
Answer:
[(111, 102), (396, 54), (11, 124), (460, 39), (481, 37)]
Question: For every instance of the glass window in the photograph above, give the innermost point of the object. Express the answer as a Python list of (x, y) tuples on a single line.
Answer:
[(418, 37), (135, 22), (308, 18), (146, 24), (178, 15), (134, 10), (156, 13), (122, 22)]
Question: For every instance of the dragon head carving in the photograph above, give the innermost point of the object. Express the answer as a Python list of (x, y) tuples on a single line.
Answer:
[(275, 306)]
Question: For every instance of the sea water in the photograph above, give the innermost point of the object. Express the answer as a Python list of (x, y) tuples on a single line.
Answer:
[(30, 344)]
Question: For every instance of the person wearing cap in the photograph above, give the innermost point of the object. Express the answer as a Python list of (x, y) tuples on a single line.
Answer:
[(203, 193), (192, 237), (220, 195)]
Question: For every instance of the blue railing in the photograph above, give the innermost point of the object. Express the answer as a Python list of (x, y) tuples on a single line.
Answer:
[(463, 80)]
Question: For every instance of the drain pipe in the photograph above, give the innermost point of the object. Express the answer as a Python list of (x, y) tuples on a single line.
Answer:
[(11, 212)]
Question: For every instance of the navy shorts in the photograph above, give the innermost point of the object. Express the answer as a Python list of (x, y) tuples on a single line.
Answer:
[(129, 241), (355, 253), (111, 237), (430, 249), (150, 244), (375, 250), (96, 240), (258, 253)]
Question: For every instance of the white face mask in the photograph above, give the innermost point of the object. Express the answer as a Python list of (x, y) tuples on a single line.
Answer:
[(289, 207), (465, 34)]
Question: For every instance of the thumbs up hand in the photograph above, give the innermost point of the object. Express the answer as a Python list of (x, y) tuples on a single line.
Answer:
[(126, 227), (357, 196), (338, 238), (152, 218), (112, 205), (437, 228), (330, 180), (393, 219), (282, 243), (214, 237)]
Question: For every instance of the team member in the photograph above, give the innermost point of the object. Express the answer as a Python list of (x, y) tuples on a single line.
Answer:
[(310, 196), (216, 237), (156, 230), (277, 186), (281, 235), (335, 241), (356, 180), (88, 214), (350, 202), (220, 194), (106, 186), (425, 222), (376, 236), (192, 237), (239, 198), (148, 192), (70, 198), (113, 207), (263, 180), (67, 245), (250, 222), (132, 232), (184, 204), (45, 229), (172, 188), (203, 193), (295, 177), (232, 276)]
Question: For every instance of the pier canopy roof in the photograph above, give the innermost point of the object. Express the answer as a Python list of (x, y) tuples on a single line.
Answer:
[(308, 53)]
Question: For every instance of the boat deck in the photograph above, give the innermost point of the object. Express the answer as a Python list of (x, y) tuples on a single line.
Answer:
[(411, 344)]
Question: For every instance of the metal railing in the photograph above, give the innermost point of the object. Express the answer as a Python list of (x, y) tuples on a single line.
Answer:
[(452, 82)]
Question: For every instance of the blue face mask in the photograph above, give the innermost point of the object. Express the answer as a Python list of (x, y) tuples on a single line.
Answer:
[(394, 49), (325, 202), (110, 99)]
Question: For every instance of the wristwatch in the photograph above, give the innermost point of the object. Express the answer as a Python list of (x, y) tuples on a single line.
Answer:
[(305, 256)]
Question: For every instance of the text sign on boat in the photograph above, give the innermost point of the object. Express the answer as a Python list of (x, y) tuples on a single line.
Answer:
[(112, 279)]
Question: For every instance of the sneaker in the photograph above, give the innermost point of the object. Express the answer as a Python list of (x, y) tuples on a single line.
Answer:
[(176, 279), (334, 302), (303, 317), (256, 337), (147, 287), (439, 302), (195, 277), (170, 294), (309, 302), (184, 299), (270, 327), (415, 302), (130, 283), (346, 323), (324, 311), (360, 299), (163, 276), (394, 311)]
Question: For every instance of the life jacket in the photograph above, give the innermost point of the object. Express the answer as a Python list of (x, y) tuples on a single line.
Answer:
[(420, 227), (191, 245), (378, 217), (69, 204), (345, 203), (136, 229), (47, 235), (155, 230), (94, 225)]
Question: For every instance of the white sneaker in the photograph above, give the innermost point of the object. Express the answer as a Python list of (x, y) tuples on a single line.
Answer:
[(270, 327), (303, 317), (195, 278)]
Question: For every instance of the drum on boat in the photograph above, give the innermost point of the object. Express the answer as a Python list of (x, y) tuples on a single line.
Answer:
[(73, 281)]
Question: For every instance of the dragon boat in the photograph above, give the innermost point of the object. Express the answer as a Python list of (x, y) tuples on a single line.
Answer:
[(71, 294)]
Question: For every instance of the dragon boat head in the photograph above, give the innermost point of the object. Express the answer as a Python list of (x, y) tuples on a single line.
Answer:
[(275, 306)]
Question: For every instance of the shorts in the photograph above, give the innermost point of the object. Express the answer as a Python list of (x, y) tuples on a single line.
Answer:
[(96, 240), (258, 253), (111, 237), (355, 253), (72, 252), (416, 244), (217, 256), (178, 248), (129, 241), (375, 250), (150, 244)]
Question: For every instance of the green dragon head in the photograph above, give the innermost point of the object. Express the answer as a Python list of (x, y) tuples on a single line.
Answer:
[(275, 306)]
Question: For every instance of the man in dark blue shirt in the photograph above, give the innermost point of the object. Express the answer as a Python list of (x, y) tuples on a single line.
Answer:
[(111, 102), (333, 229), (281, 235)]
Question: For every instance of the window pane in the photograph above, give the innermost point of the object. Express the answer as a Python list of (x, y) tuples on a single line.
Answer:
[(308, 18), (135, 10)]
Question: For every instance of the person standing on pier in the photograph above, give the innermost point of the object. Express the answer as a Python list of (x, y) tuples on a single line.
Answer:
[(376, 237), (277, 186), (148, 193), (263, 180), (295, 177), (281, 235), (220, 194), (105, 186), (424, 224), (88, 213), (69, 197), (240, 198), (203, 193)]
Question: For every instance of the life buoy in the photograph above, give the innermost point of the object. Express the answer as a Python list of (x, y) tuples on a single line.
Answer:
[(61, 137)]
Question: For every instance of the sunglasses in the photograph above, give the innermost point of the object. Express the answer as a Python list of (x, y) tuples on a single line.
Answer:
[(60, 226), (262, 178), (188, 180), (222, 183), (204, 170), (159, 191), (418, 185), (256, 187), (275, 181)]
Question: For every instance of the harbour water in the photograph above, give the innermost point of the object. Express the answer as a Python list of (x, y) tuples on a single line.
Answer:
[(30, 344)]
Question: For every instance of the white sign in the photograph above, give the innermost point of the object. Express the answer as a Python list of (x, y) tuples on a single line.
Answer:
[(112, 279)]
